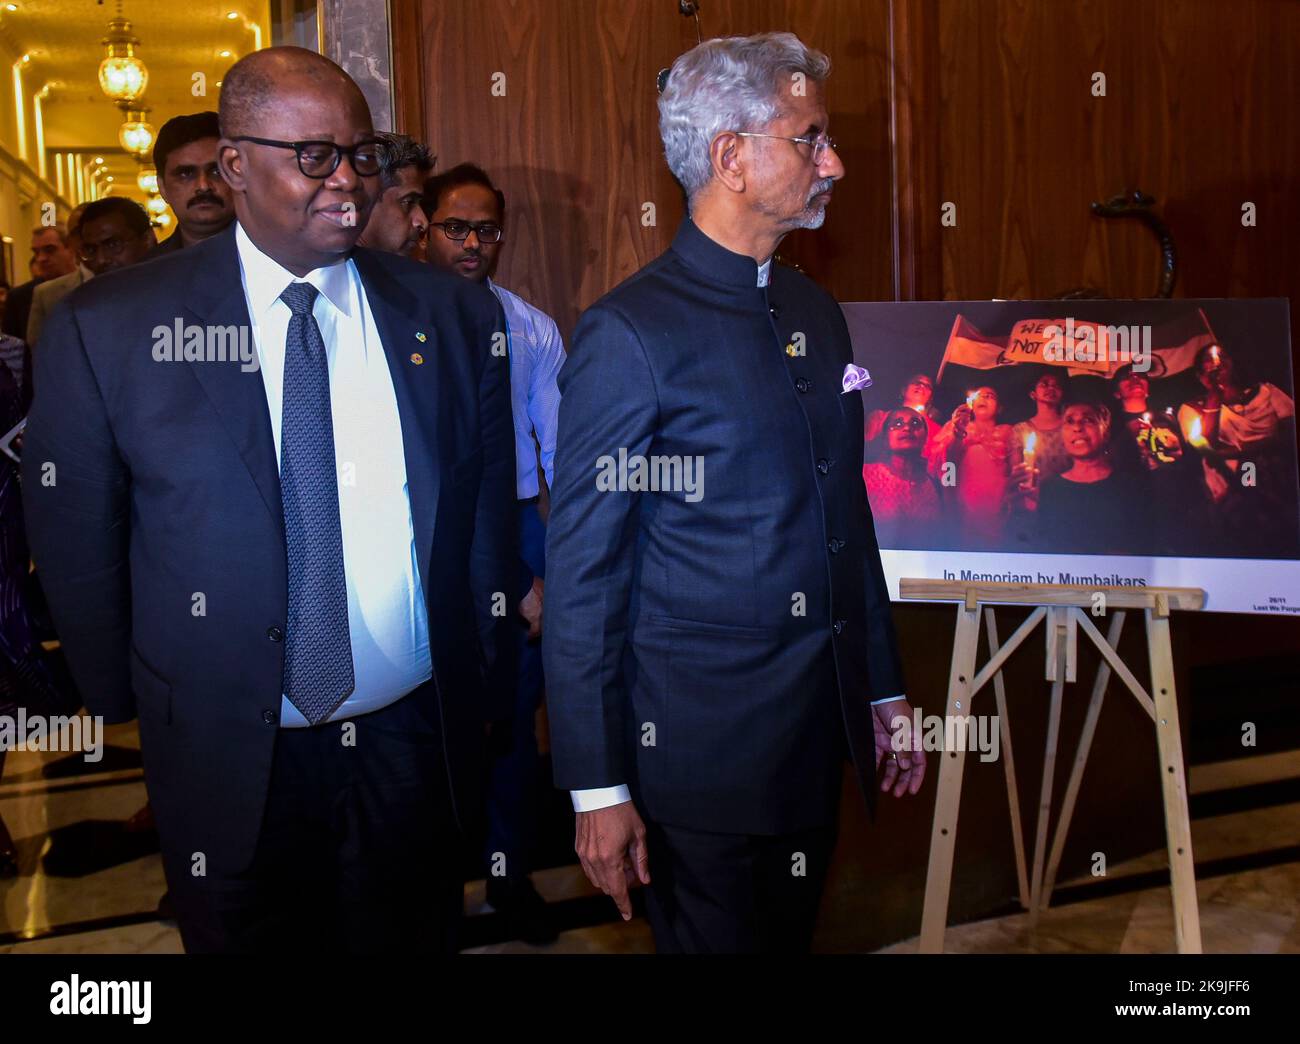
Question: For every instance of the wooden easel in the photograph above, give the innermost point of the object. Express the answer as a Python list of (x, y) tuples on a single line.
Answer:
[(1067, 609)]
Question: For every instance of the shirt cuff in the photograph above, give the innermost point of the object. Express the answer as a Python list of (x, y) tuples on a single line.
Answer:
[(599, 797), (888, 699)]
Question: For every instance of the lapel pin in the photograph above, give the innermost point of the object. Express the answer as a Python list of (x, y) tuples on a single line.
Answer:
[(419, 336), (789, 350), (417, 358)]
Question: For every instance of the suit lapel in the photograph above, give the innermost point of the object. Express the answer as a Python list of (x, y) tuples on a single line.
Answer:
[(216, 297), (413, 363)]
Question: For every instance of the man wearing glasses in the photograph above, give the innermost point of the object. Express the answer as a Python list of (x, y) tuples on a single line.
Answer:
[(466, 211), (107, 234), (287, 572), (115, 232), (713, 649)]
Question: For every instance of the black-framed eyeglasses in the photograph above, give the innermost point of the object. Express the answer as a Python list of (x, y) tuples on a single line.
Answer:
[(320, 159), (458, 231), (819, 145)]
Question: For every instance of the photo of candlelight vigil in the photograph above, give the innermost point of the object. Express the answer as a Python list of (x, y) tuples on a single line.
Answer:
[(1140, 429)]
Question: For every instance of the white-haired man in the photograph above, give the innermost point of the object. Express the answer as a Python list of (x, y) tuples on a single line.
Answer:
[(712, 649)]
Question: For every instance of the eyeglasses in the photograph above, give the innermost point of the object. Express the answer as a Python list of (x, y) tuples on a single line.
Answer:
[(819, 145), (904, 422), (109, 248), (320, 159), (486, 231)]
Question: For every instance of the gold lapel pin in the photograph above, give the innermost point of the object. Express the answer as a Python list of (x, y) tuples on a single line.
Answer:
[(789, 350), (417, 358), (419, 336)]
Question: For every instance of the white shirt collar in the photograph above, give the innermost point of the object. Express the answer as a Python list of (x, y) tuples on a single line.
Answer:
[(764, 272), (265, 278)]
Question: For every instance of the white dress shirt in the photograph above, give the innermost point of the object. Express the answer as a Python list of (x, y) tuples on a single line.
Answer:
[(603, 797), (388, 618)]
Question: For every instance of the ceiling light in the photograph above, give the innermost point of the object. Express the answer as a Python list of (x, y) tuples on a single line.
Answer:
[(122, 76), (136, 134)]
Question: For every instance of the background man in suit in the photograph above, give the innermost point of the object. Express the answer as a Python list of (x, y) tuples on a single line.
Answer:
[(397, 220), (115, 232), (51, 258), (712, 647), (466, 212), (281, 543), (52, 291), (189, 179)]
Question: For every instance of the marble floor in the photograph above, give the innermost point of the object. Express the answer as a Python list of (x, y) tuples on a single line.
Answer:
[(87, 885)]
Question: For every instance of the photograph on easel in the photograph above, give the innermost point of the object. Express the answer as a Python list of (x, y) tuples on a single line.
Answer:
[(1127, 443)]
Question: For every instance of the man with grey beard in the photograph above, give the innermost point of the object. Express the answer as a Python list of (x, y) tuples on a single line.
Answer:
[(711, 660)]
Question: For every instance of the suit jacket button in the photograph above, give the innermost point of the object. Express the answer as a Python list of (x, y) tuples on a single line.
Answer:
[(776, 312), (269, 717), (275, 634), (836, 546), (823, 465), (803, 384), (839, 626)]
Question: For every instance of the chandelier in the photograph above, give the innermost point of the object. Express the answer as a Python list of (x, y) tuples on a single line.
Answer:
[(136, 134), (122, 76)]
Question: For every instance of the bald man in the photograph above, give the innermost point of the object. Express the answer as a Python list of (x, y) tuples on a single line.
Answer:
[(280, 542)]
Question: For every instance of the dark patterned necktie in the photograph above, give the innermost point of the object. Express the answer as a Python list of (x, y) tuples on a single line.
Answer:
[(318, 672)]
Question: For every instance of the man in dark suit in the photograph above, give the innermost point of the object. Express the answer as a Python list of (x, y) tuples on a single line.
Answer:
[(51, 258), (189, 179), (270, 489), (717, 617)]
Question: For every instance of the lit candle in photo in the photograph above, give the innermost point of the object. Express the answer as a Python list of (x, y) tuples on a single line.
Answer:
[(970, 398), (1215, 357), (1031, 451), (1194, 435)]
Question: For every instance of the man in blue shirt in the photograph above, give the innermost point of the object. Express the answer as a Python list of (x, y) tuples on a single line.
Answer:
[(465, 234)]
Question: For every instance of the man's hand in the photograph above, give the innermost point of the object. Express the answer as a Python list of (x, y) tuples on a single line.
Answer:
[(610, 843), (531, 609), (905, 767)]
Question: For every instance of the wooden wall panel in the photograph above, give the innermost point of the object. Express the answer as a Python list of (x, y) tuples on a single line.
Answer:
[(1202, 110), (574, 143)]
